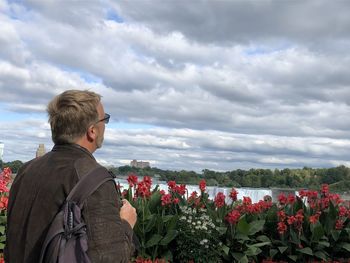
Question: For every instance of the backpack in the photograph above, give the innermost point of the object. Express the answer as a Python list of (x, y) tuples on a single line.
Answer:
[(66, 239)]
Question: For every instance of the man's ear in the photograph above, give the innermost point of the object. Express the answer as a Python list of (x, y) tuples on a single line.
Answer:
[(91, 133)]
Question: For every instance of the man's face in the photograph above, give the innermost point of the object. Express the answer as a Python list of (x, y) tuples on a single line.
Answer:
[(100, 126)]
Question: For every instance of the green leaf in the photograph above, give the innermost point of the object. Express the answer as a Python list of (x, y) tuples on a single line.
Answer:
[(172, 223), (240, 258), (243, 226), (306, 250), (2, 246), (317, 232), (168, 237), (167, 218), (346, 246), (273, 252), (3, 219), (154, 201), (151, 223), (252, 251), (282, 249), (243, 260), (256, 226), (226, 249), (335, 234), (320, 255), (241, 237), (263, 238), (323, 243), (154, 240), (2, 229), (293, 257), (261, 244)]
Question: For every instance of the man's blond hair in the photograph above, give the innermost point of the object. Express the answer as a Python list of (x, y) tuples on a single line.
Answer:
[(71, 113)]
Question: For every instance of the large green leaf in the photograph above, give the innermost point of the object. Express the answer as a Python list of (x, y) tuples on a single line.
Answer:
[(154, 201), (252, 251), (261, 244), (320, 255), (346, 246), (330, 218), (152, 219), (168, 237), (153, 241), (171, 224), (335, 234), (293, 257), (240, 257), (306, 250), (256, 226), (243, 226), (282, 249), (263, 238), (317, 232), (3, 219), (273, 252)]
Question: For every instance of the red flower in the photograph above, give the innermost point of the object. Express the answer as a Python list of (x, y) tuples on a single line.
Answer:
[(147, 180), (3, 202), (176, 200), (180, 189), (124, 193), (281, 228), (300, 216), (303, 193), (342, 211), (219, 200), (281, 215), (166, 199), (233, 194), (202, 185), (282, 199), (172, 185), (291, 220), (314, 218), (339, 224), (291, 199), (233, 217), (143, 190), (247, 200), (325, 189), (132, 180)]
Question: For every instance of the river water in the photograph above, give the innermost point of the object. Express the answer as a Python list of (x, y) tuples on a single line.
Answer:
[(255, 194)]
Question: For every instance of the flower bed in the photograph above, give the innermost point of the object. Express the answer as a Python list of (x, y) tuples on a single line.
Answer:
[(5, 179), (189, 227)]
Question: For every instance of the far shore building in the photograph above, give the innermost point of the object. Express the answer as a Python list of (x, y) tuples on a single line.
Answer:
[(40, 151), (139, 164)]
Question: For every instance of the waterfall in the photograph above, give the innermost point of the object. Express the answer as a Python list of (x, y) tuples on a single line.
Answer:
[(255, 194)]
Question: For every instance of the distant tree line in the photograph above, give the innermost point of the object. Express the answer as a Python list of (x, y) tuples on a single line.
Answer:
[(337, 177), (311, 178)]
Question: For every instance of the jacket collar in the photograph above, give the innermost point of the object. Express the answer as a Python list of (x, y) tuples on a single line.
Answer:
[(72, 147)]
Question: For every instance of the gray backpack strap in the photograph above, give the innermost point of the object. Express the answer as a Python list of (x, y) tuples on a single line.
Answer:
[(89, 184)]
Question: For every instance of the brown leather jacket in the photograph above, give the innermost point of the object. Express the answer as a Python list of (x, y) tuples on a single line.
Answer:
[(39, 190)]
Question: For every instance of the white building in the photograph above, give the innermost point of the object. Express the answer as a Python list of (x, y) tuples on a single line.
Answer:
[(1, 150)]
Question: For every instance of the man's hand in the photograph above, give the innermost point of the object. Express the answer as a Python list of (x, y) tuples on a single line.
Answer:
[(128, 213)]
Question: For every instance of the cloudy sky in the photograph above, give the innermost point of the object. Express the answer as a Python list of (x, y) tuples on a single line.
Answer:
[(190, 85)]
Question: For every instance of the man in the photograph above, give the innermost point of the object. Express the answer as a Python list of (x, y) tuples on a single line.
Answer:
[(77, 120)]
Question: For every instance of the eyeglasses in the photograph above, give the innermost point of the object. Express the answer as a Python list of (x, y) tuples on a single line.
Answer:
[(105, 119)]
